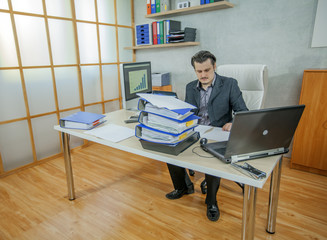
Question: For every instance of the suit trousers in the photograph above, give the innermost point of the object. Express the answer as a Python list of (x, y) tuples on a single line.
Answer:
[(181, 180)]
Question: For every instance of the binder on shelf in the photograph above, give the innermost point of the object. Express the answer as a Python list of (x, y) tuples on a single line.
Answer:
[(170, 26), (157, 6), (167, 124), (154, 135), (82, 120), (164, 5), (154, 33), (202, 2), (161, 26), (148, 6), (158, 32), (153, 6)]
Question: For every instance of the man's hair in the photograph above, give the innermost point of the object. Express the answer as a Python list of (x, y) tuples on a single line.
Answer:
[(202, 56)]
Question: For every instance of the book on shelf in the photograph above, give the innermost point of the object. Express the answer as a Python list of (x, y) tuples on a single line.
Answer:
[(82, 120)]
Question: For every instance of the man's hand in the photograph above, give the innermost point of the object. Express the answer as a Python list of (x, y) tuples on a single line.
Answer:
[(227, 127)]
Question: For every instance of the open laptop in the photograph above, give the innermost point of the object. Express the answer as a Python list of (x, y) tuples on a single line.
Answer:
[(258, 133)]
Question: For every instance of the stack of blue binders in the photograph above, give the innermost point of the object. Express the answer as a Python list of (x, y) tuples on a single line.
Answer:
[(143, 34)]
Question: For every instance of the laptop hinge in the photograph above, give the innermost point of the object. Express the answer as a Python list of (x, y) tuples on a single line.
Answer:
[(248, 156)]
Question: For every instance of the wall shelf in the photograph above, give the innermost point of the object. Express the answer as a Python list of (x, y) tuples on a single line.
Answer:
[(194, 9), (183, 44)]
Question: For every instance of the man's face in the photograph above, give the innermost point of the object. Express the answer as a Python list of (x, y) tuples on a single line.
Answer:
[(205, 72)]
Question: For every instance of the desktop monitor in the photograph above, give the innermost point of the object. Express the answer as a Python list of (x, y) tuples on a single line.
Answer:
[(135, 78)]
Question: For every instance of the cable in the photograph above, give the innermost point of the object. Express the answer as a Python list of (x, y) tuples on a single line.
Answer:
[(193, 151)]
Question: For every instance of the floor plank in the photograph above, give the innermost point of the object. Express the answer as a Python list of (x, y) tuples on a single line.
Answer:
[(122, 196)]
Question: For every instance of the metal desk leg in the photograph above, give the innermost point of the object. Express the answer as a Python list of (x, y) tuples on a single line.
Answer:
[(249, 206), (68, 166), (273, 197)]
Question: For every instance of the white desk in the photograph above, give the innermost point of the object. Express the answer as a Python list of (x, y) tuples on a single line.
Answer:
[(187, 159)]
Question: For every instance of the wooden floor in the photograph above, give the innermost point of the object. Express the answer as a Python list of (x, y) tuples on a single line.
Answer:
[(122, 196)]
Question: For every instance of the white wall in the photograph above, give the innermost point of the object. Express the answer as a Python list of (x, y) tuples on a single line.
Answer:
[(276, 33)]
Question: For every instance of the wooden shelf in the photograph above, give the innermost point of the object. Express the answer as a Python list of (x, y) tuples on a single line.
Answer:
[(183, 44), (194, 9)]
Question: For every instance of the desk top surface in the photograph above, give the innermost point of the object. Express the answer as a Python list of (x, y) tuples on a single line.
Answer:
[(187, 159)]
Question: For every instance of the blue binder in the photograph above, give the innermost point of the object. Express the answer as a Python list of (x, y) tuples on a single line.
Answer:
[(82, 120)]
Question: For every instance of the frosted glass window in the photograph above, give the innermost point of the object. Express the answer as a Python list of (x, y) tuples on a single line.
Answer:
[(74, 141), (32, 40), (94, 108), (91, 84), (30, 6), (59, 8), (108, 44), (4, 4), (111, 106), (39, 88), (125, 40), (110, 82), (62, 42), (124, 13), (85, 10), (8, 56), (67, 87), (45, 137), (106, 11), (11, 95), (14, 136), (88, 44)]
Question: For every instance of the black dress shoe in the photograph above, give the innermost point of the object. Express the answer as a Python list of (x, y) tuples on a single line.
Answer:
[(213, 213), (179, 193)]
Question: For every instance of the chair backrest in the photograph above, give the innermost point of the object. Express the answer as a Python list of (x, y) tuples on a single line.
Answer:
[(252, 80)]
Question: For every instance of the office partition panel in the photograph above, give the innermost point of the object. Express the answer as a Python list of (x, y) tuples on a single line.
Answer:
[(106, 11), (39, 89), (59, 8), (67, 87), (108, 44), (30, 6), (46, 140), (91, 84), (15, 145), (125, 39), (11, 96), (110, 85), (57, 58), (7, 42), (63, 48)]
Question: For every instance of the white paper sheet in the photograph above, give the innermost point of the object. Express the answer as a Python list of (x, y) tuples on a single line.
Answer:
[(212, 133), (112, 132), (163, 101)]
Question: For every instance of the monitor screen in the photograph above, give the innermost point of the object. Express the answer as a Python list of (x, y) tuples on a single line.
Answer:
[(137, 79)]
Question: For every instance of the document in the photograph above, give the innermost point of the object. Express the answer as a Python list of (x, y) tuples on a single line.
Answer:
[(112, 132), (163, 101), (212, 133)]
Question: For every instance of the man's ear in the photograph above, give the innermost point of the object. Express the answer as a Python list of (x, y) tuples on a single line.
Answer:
[(214, 66)]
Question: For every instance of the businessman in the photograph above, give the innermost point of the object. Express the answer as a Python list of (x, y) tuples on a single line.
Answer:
[(215, 97)]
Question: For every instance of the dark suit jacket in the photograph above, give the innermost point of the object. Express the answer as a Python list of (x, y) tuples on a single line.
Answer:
[(225, 97)]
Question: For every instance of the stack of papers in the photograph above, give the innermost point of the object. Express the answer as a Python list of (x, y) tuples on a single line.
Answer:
[(164, 119)]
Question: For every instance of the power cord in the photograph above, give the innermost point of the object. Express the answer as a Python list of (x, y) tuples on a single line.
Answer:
[(193, 151)]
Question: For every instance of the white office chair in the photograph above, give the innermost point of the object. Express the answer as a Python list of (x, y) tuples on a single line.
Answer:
[(252, 80)]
